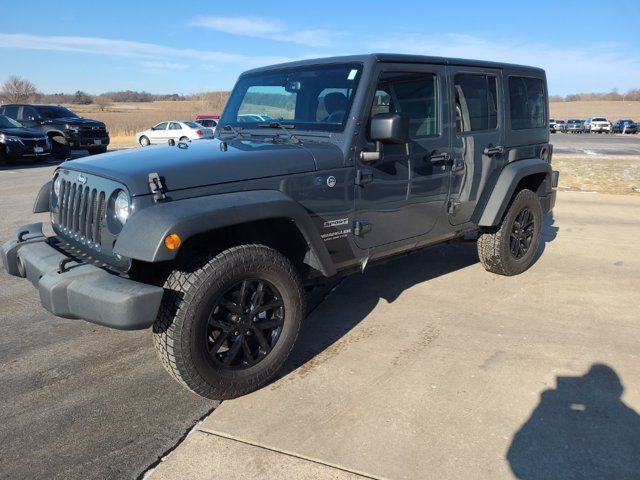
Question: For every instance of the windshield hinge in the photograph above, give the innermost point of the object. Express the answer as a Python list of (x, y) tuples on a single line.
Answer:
[(363, 176), (360, 228), (156, 187)]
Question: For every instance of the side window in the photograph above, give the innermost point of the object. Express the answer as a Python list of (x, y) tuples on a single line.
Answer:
[(528, 103), (476, 102), (11, 111), (413, 94), (161, 126), (175, 126), (29, 113)]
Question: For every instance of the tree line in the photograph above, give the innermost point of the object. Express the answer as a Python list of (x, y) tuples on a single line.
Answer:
[(614, 95), (17, 89)]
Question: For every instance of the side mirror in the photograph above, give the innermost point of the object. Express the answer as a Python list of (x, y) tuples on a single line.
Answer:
[(390, 128), (386, 128)]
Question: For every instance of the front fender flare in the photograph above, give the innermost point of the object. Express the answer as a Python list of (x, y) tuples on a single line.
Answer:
[(505, 186), (142, 237)]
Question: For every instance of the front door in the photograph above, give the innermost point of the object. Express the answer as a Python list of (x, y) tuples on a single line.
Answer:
[(476, 143), (403, 195)]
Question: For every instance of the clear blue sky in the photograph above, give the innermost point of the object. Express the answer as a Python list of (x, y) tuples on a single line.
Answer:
[(189, 46)]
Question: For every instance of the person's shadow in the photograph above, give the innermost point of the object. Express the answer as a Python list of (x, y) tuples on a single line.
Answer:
[(580, 430)]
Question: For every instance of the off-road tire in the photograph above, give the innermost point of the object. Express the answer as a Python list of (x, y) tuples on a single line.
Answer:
[(494, 243), (60, 149), (190, 292)]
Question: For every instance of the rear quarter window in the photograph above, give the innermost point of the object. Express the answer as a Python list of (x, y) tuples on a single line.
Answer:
[(527, 103)]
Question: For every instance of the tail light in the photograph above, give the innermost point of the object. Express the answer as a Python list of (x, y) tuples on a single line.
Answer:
[(199, 132)]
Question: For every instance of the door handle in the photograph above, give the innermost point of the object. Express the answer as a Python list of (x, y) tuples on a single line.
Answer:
[(438, 157), (491, 150)]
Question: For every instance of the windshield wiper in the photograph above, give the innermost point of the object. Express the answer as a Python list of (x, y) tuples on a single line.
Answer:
[(230, 128), (284, 128)]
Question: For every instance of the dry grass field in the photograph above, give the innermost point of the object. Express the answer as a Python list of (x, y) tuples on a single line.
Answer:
[(125, 119), (611, 110), (618, 174)]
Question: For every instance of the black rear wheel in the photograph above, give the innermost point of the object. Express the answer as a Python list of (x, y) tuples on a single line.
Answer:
[(228, 322), (510, 247)]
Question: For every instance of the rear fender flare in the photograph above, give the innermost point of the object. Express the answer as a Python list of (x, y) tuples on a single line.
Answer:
[(510, 176)]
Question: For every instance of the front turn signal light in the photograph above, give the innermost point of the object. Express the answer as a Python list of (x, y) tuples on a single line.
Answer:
[(172, 241)]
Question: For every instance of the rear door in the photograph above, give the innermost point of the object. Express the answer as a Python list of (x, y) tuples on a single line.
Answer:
[(175, 131), (402, 195), (478, 138)]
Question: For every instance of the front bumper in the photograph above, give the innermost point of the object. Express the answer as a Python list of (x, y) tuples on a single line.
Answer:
[(79, 290), (88, 141), (20, 150)]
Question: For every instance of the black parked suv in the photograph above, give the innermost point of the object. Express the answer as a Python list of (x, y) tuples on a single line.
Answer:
[(65, 129), (19, 142), (212, 243)]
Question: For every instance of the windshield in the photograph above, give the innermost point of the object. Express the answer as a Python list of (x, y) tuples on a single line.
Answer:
[(192, 124), (599, 119), (6, 122), (574, 121), (53, 111), (306, 98)]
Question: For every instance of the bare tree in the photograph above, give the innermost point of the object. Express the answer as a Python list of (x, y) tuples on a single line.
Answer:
[(102, 101), (17, 89)]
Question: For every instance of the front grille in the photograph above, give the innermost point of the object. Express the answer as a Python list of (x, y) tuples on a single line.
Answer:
[(31, 143), (81, 212), (92, 132)]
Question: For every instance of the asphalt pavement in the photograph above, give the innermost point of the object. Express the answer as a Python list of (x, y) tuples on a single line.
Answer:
[(596, 144), (76, 400)]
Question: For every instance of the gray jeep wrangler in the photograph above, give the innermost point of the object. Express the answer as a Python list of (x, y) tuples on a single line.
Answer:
[(318, 168)]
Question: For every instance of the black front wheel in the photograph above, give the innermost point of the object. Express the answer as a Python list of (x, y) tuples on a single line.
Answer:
[(60, 148), (228, 322), (510, 248)]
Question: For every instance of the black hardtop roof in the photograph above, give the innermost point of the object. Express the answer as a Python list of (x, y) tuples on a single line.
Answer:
[(396, 58)]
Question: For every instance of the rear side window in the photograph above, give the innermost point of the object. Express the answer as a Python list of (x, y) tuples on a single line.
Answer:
[(413, 94), (528, 105), (476, 102)]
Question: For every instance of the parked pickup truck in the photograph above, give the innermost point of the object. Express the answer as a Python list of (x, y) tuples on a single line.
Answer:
[(65, 129), (212, 244)]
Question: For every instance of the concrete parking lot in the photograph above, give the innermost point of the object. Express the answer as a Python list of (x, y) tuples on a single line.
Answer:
[(426, 367), (429, 367)]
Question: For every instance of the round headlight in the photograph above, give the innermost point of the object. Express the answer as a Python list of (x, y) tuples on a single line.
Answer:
[(57, 185), (122, 207)]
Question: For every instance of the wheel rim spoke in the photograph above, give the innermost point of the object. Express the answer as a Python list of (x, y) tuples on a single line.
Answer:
[(218, 343), (234, 350), (266, 324), (246, 351), (262, 340), (267, 306)]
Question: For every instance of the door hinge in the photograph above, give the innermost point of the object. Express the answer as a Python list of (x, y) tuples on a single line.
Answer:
[(453, 206), (363, 176), (360, 228)]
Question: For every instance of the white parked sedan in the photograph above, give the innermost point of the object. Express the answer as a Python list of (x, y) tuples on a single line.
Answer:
[(178, 131)]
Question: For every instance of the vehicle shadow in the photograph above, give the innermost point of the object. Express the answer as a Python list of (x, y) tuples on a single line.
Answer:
[(580, 430), (386, 281), (548, 234)]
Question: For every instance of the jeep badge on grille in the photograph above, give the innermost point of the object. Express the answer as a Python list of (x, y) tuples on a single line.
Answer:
[(82, 179)]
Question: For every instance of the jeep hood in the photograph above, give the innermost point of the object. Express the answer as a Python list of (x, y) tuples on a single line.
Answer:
[(203, 163)]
